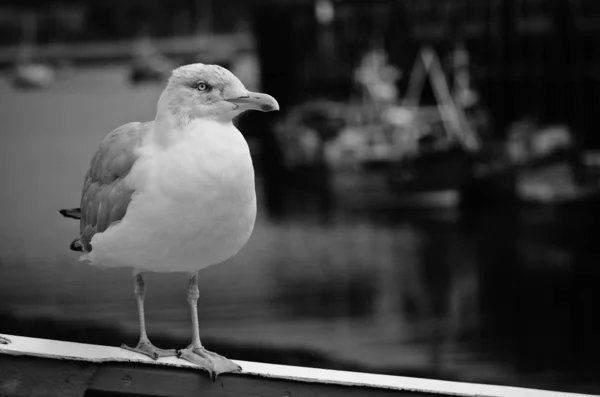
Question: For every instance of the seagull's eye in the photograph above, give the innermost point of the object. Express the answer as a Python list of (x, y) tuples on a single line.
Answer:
[(202, 86)]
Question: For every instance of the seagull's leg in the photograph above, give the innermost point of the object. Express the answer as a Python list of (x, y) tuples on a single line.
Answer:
[(144, 345), (195, 352)]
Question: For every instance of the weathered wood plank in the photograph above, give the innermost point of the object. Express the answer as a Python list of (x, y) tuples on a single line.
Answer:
[(23, 376), (113, 371), (176, 382)]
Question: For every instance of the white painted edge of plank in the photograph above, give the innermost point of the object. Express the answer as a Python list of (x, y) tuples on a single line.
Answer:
[(19, 345)]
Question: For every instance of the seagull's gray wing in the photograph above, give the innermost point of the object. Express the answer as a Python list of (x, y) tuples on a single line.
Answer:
[(106, 194)]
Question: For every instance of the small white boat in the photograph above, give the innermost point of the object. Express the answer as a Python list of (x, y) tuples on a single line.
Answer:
[(33, 75)]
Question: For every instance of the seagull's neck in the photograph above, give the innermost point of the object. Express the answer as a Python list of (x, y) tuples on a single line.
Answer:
[(170, 128)]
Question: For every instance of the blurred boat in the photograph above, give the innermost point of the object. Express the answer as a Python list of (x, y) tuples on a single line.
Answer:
[(30, 73), (538, 165), (376, 150), (33, 75)]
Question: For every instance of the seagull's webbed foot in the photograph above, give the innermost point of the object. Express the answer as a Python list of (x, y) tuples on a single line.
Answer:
[(147, 348), (209, 361)]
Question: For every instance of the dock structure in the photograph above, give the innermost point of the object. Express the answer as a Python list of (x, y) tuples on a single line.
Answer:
[(40, 367)]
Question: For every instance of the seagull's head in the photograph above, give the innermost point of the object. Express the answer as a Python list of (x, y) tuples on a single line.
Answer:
[(210, 92)]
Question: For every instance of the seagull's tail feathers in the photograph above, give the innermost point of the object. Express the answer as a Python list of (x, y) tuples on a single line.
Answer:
[(74, 213), (76, 245)]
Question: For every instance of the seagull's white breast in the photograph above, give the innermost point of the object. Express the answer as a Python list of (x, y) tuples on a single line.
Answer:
[(194, 204)]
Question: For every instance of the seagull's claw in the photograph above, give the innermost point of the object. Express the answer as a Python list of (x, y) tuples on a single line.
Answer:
[(148, 349), (209, 361)]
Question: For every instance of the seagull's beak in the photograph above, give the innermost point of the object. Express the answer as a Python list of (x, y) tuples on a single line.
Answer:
[(255, 101)]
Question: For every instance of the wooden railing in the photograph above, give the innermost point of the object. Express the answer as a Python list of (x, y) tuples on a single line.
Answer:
[(40, 367)]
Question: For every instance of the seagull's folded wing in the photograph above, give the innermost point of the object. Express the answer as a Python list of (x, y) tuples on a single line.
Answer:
[(106, 193)]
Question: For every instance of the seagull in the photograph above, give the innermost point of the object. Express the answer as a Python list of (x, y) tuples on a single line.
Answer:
[(175, 194)]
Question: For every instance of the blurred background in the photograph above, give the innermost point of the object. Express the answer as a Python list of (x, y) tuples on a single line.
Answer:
[(428, 194)]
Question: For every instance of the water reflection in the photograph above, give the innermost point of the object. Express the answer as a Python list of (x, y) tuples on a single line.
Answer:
[(503, 294)]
